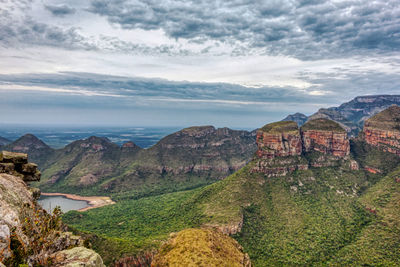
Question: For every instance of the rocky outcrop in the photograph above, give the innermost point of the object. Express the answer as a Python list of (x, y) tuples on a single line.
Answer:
[(17, 164), (325, 136), (78, 256), (281, 147), (279, 139), (28, 234), (353, 114), (383, 130)]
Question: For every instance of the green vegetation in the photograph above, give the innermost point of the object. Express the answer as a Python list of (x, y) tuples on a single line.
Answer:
[(280, 127), (188, 159), (132, 226), (389, 119), (312, 217), (43, 230), (323, 125), (369, 156), (378, 243)]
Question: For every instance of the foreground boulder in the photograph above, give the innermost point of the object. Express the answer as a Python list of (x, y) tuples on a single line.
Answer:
[(201, 247), (17, 164)]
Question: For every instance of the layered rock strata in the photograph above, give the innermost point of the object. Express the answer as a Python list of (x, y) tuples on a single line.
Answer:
[(279, 139), (281, 146), (325, 136), (17, 164), (383, 130)]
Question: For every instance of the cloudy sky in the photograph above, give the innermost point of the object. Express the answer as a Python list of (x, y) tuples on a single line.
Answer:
[(238, 63)]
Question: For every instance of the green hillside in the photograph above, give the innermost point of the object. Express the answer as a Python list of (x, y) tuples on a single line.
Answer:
[(306, 218), (187, 159)]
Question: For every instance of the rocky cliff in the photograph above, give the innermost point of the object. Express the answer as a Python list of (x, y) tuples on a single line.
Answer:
[(325, 136), (281, 146), (28, 234), (383, 130), (279, 139), (352, 115)]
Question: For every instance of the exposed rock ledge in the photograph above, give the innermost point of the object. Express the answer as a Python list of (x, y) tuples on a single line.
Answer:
[(29, 235)]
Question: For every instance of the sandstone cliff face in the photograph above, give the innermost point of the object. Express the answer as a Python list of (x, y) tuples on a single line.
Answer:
[(326, 142), (279, 139), (325, 136), (383, 130), (388, 141), (282, 144), (278, 145), (28, 234)]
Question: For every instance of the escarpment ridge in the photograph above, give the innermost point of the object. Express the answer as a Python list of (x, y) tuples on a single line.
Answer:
[(383, 130), (281, 146)]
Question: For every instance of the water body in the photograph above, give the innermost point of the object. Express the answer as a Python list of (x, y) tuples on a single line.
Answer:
[(66, 204)]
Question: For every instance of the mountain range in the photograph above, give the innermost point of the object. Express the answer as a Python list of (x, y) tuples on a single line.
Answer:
[(189, 158), (351, 115), (309, 195)]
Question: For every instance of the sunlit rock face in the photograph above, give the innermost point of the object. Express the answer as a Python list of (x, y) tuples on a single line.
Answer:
[(383, 130)]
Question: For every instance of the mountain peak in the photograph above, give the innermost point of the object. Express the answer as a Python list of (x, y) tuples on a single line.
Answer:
[(383, 130), (130, 145), (29, 140), (299, 118)]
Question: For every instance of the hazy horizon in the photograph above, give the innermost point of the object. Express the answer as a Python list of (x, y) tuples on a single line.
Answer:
[(221, 63)]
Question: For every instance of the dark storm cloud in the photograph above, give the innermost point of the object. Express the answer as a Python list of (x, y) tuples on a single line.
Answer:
[(60, 10), (301, 28)]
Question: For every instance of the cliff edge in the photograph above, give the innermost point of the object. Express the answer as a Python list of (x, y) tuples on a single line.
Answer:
[(383, 130), (28, 234)]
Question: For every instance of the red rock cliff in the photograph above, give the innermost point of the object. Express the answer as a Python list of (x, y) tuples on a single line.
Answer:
[(281, 144), (383, 130), (282, 140), (326, 142), (325, 136)]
